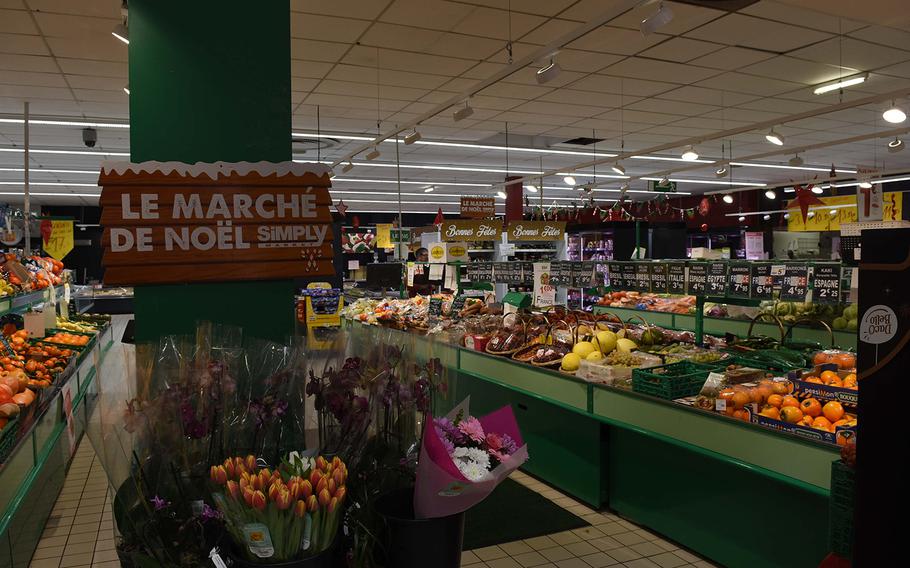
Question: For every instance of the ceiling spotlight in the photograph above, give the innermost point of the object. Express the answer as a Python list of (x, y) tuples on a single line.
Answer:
[(766, 217), (501, 194), (728, 198), (817, 190), (774, 138), (689, 154), (531, 188), (721, 171), (548, 72), (771, 194), (569, 180), (463, 113), (412, 137), (811, 214), (786, 215), (429, 189), (895, 145), (126, 89), (840, 84), (122, 33), (865, 184), (657, 20), (665, 181), (742, 218), (894, 115), (374, 154), (347, 167), (795, 161), (618, 168)]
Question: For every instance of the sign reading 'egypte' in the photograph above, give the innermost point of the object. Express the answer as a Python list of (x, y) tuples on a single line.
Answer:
[(172, 222)]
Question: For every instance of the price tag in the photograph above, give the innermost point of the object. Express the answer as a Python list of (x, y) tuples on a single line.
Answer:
[(696, 279), (795, 284), (629, 271), (659, 278), (761, 283), (587, 277), (614, 272), (739, 280), (556, 273), (826, 284), (457, 306), (717, 279), (435, 308), (566, 273), (527, 273), (777, 275), (500, 274), (643, 276), (676, 278), (485, 272)]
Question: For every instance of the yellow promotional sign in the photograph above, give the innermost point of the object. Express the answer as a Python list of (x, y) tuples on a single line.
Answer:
[(59, 242), (844, 211), (384, 235)]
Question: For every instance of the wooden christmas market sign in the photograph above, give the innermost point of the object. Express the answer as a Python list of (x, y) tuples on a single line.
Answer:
[(170, 222)]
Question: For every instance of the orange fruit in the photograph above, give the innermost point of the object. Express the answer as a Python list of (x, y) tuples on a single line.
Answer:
[(850, 382), (790, 400), (741, 415), (741, 399), (813, 379), (776, 400), (764, 391), (833, 411), (726, 394), (821, 358), (821, 423), (730, 409), (769, 411), (780, 387), (791, 414), (841, 422), (844, 360), (828, 376), (811, 407), (836, 383), (755, 395)]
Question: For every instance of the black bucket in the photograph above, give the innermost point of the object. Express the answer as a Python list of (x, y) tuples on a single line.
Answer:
[(418, 543), (325, 559)]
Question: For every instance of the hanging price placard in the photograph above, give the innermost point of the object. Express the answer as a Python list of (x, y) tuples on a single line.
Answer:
[(527, 272), (826, 284), (761, 284), (676, 278), (643, 276), (629, 271), (484, 272), (586, 277), (566, 273), (795, 284), (739, 280), (614, 272), (717, 279), (659, 278), (697, 279), (501, 272), (435, 308)]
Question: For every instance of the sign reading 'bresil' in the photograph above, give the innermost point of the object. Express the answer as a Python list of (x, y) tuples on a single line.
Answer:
[(169, 222)]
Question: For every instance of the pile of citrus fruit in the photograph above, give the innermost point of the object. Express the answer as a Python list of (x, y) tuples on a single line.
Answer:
[(832, 379), (65, 338), (809, 412)]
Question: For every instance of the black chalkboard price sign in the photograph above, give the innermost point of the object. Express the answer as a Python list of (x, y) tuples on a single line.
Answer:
[(676, 278), (629, 272), (761, 283), (739, 280), (659, 278), (614, 271), (643, 276), (697, 279), (795, 284), (716, 284), (826, 284)]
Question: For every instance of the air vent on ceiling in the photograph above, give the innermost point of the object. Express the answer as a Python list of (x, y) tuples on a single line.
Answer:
[(583, 141)]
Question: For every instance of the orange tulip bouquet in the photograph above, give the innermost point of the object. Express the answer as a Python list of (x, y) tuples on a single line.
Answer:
[(288, 513)]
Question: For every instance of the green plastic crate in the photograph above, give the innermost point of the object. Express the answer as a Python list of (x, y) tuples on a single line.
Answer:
[(671, 381), (8, 437), (840, 507)]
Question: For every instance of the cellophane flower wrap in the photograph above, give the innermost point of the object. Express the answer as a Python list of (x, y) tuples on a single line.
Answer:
[(463, 458), (284, 514)]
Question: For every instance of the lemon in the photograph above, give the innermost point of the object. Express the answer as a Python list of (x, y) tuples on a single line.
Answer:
[(571, 362), (606, 340), (583, 348), (625, 345), (595, 356)]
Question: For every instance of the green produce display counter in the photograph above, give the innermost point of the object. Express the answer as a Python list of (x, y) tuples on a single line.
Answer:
[(713, 484), (32, 475)]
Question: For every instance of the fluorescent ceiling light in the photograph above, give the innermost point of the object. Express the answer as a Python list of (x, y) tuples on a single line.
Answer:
[(865, 184), (587, 174), (840, 84), (569, 180), (49, 183), (49, 171), (728, 199), (548, 72), (895, 145), (741, 218), (429, 189), (618, 168), (789, 190), (771, 194), (774, 138), (443, 168), (38, 194), (409, 182), (501, 194), (412, 137), (607, 190), (689, 154), (463, 112), (126, 89), (894, 115), (657, 20), (67, 152), (706, 181), (790, 167), (766, 217), (122, 33), (670, 159), (32, 122)]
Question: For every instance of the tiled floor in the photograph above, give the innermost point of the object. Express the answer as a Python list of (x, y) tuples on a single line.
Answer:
[(609, 541), (80, 530)]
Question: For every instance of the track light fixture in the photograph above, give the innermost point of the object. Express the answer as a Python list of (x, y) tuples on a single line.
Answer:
[(840, 84), (728, 199), (657, 20), (865, 184), (412, 137), (895, 145), (894, 115), (463, 112), (347, 167), (742, 218), (817, 190), (549, 71), (569, 180), (775, 138), (618, 168), (501, 194), (689, 154), (531, 188), (665, 181), (795, 161), (721, 171), (766, 217), (429, 189), (771, 194), (126, 89), (122, 33), (374, 154)]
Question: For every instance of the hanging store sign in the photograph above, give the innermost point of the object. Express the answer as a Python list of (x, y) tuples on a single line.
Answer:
[(669, 187), (826, 284), (845, 211), (384, 235), (470, 231), (170, 222), (478, 207), (536, 230), (869, 202), (56, 237)]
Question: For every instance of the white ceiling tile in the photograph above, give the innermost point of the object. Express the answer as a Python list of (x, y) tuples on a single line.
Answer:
[(731, 58), (609, 39), (681, 49), (884, 36), (559, 109), (773, 104), (531, 118), (33, 79), (433, 14), (327, 28), (528, 76), (38, 106), (490, 23), (746, 31), (536, 7), (95, 82), (706, 96), (516, 91), (436, 97), (393, 36), (16, 22), (640, 68), (94, 95), (626, 86), (94, 68), (671, 107), (304, 85), (318, 50), (106, 109), (465, 46), (811, 19), (23, 44), (362, 74), (483, 70), (519, 50), (586, 61), (37, 63), (550, 30), (633, 116), (365, 9), (354, 102), (310, 69), (97, 8), (685, 17), (748, 84), (79, 27), (406, 61), (101, 48), (798, 70), (853, 53), (571, 96), (28, 92)]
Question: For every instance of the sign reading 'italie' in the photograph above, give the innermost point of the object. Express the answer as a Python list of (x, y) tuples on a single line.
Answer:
[(478, 207), (470, 231), (536, 230), (170, 222)]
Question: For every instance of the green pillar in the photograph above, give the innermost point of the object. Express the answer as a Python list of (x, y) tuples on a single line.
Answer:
[(210, 80)]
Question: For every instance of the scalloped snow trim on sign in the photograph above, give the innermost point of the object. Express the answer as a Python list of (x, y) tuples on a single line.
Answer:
[(214, 170)]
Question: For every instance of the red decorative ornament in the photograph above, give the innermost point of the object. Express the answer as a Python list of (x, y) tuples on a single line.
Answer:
[(356, 222), (439, 218), (704, 207), (804, 198), (704, 227)]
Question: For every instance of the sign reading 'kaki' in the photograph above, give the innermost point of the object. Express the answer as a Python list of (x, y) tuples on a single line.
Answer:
[(172, 222)]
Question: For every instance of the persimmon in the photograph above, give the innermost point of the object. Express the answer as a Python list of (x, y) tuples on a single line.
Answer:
[(770, 411), (814, 379), (821, 423), (811, 407), (740, 399), (833, 411), (790, 400), (776, 400), (791, 414), (821, 358), (828, 376), (844, 360)]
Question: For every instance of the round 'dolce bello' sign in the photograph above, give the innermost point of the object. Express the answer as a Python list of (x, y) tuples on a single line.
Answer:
[(879, 325)]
